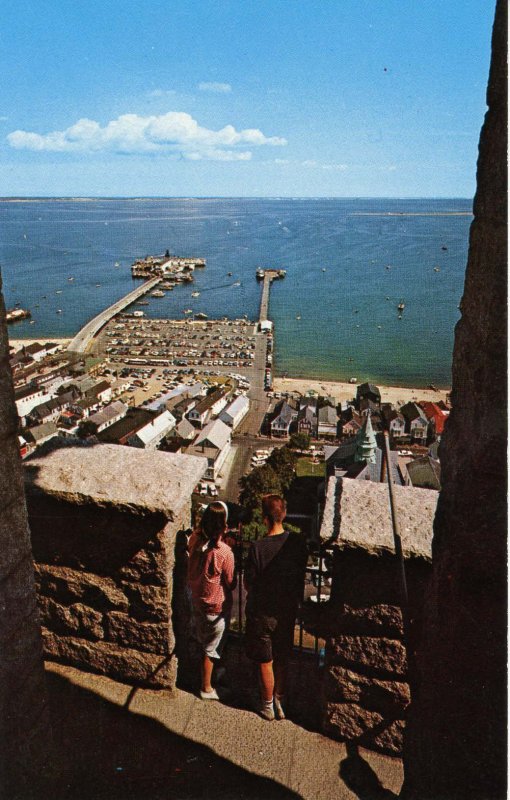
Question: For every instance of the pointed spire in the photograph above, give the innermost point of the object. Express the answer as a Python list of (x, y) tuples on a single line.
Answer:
[(366, 444)]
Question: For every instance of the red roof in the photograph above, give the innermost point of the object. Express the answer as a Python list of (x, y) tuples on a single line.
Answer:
[(433, 411)]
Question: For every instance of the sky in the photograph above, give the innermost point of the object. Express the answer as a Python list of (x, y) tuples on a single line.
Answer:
[(309, 98)]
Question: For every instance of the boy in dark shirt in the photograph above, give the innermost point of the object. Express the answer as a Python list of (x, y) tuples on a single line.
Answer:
[(274, 579)]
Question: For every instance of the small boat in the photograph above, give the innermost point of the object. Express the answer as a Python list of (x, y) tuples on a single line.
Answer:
[(400, 316), (201, 315), (324, 269), (98, 285), (259, 274), (388, 266), (298, 316), (353, 380), (195, 294), (401, 305), (117, 264), (32, 322), (58, 311), (188, 311), (158, 293), (70, 279), (437, 269), (59, 291), (237, 283), (444, 247), (230, 274)]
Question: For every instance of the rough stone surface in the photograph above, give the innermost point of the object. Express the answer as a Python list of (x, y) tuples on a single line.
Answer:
[(64, 584), (155, 637), (25, 731), (389, 698), (148, 602), (126, 664), (357, 515), (375, 655), (76, 619), (351, 723), (116, 477), (456, 738), (146, 567), (381, 619)]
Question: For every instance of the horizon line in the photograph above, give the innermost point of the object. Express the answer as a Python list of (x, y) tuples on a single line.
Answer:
[(4, 198)]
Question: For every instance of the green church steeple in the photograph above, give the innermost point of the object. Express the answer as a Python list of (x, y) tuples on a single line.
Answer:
[(366, 444)]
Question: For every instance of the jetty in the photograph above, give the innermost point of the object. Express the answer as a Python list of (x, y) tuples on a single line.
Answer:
[(82, 340), (268, 276)]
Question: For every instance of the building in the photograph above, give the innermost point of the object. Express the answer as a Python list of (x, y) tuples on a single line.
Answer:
[(307, 420), (327, 423), (394, 421), (425, 473), (367, 391), (109, 415), (209, 407), (151, 434), (184, 430), (121, 431), (42, 433), (417, 424), (436, 416), (213, 443), (362, 458), (235, 412), (286, 414)]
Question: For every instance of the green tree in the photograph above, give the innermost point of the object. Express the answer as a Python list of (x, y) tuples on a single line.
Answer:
[(261, 481), (300, 441), (86, 428), (283, 461)]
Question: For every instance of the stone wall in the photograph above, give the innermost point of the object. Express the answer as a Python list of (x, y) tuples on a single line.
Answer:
[(105, 521), (366, 681), (25, 733), (457, 736)]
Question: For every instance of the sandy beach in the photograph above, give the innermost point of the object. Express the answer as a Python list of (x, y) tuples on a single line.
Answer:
[(397, 395)]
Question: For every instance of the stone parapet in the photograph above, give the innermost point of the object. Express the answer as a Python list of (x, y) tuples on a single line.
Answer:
[(365, 690), (105, 561)]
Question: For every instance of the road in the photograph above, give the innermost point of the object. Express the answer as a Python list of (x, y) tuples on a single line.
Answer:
[(83, 338)]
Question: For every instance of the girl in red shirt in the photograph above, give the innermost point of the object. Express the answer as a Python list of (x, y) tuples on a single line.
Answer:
[(211, 576)]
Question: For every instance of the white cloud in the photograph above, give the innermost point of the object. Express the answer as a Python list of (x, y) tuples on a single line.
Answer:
[(213, 86), (175, 132), (161, 93)]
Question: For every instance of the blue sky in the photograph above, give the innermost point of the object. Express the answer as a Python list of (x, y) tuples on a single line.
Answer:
[(242, 97)]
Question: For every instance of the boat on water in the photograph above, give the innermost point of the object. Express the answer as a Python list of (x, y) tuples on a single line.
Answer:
[(324, 269), (188, 311), (282, 273), (230, 274), (401, 305), (353, 380), (117, 264), (444, 247), (437, 269), (201, 315), (59, 291), (298, 316), (260, 274), (58, 311), (237, 283), (195, 294), (158, 293), (17, 314), (32, 322), (98, 285), (70, 279)]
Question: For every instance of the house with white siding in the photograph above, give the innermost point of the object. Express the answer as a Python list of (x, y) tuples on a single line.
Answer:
[(234, 413)]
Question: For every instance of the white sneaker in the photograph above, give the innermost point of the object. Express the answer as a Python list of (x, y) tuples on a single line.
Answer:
[(278, 709), (209, 695)]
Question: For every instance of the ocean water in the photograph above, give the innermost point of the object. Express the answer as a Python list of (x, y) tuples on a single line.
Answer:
[(349, 263)]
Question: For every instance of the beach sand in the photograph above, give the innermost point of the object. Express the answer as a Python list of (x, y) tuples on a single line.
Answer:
[(346, 391)]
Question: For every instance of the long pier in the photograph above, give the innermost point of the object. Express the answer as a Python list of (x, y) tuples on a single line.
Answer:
[(269, 276), (82, 340)]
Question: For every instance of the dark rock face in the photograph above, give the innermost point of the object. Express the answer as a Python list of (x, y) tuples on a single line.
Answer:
[(24, 715), (456, 736)]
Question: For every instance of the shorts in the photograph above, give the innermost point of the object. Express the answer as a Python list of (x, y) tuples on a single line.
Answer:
[(211, 632), (269, 638)]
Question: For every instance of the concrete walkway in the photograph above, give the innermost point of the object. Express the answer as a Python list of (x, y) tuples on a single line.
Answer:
[(216, 745)]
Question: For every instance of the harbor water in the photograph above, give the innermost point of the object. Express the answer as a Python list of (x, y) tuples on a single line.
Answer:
[(349, 263)]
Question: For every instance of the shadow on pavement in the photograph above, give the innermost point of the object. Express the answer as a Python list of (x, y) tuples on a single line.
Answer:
[(106, 752), (361, 779)]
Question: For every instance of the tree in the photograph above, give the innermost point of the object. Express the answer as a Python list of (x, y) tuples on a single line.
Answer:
[(86, 428), (300, 441), (261, 481), (283, 461)]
